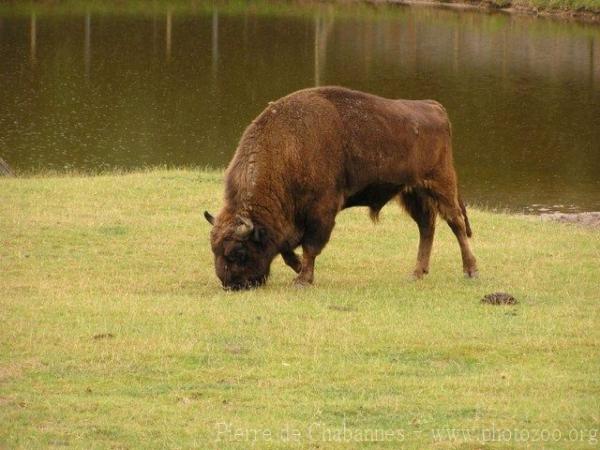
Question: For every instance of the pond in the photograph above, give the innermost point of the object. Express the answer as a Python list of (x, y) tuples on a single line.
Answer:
[(105, 88)]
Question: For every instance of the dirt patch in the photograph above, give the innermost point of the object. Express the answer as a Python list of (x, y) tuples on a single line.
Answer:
[(499, 298), (586, 219), (342, 308), (104, 336), (17, 369), (236, 349)]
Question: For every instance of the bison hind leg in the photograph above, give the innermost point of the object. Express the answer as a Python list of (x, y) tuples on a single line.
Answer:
[(422, 209), (453, 211)]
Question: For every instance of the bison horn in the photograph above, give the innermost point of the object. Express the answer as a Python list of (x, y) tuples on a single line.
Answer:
[(245, 227), (208, 216)]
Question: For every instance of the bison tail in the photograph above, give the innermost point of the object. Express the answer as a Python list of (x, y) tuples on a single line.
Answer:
[(464, 213)]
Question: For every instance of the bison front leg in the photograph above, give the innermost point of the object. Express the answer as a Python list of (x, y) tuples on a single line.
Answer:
[(307, 273), (292, 260), (316, 235)]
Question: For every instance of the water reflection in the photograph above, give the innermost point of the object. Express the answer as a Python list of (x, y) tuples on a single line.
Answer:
[(87, 44), (215, 42), (168, 33), (33, 38), (178, 88)]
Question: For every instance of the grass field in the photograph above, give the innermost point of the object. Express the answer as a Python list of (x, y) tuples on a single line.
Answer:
[(115, 333)]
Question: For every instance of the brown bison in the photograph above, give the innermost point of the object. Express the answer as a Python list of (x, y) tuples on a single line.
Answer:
[(317, 151)]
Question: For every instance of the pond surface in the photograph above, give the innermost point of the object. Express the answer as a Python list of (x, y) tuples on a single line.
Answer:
[(99, 90)]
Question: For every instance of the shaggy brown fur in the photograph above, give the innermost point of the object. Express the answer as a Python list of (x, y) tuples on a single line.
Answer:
[(320, 150)]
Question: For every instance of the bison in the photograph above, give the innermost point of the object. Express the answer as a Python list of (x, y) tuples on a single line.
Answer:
[(320, 150)]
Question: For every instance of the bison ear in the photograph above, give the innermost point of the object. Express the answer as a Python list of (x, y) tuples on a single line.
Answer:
[(209, 217)]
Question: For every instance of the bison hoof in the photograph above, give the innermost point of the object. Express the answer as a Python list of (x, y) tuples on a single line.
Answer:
[(418, 274), (300, 282), (471, 273)]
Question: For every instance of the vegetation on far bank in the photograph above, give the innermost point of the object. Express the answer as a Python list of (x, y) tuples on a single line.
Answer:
[(141, 7), (115, 332), (570, 5), (537, 5)]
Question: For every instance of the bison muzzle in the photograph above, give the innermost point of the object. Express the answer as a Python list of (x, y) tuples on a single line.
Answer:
[(317, 151)]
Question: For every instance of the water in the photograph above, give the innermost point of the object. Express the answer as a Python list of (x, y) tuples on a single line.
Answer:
[(106, 89)]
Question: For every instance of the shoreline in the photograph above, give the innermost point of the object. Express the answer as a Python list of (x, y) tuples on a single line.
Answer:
[(586, 219), (582, 15)]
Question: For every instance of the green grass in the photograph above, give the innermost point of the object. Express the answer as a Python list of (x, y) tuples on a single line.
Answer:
[(115, 332)]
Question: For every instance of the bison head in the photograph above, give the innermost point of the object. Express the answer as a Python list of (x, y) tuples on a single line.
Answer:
[(242, 250)]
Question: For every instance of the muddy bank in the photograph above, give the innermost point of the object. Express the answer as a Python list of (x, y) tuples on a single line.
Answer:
[(586, 219), (584, 15)]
